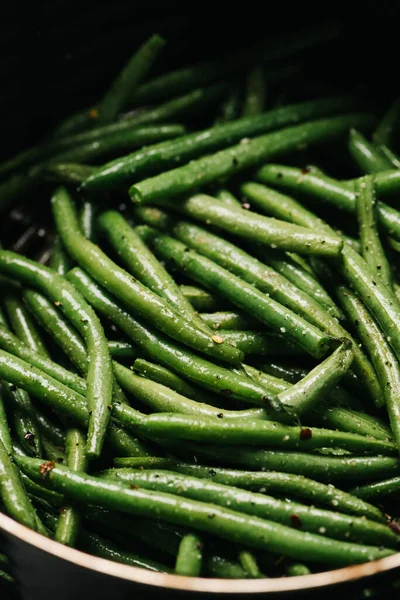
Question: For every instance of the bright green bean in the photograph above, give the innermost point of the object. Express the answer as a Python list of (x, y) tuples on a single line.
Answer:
[(189, 559), (22, 324), (249, 564)]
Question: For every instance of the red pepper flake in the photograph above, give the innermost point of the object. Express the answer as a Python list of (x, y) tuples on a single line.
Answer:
[(46, 467), (305, 171), (134, 487), (305, 433), (295, 521), (394, 526), (217, 339), (94, 113)]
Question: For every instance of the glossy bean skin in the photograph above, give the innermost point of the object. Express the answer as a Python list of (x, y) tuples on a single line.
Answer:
[(22, 324), (379, 489), (189, 558), (368, 157), (147, 304), (226, 523)]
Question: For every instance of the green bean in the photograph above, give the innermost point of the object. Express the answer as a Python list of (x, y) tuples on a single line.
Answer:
[(159, 157), (163, 399), (269, 343), (385, 362), (135, 295), (227, 198), (393, 159), (69, 520), (271, 232), (5, 437), (249, 564), (121, 350), (69, 172), (99, 375), (384, 130), (97, 545), (330, 524), (169, 379), (189, 558), (142, 263), (199, 298), (283, 484), (23, 325), (87, 220), (163, 351), (256, 90), (153, 216), (293, 210), (368, 157), (297, 570), (125, 85), (59, 260), (377, 490), (335, 192), (319, 467), (229, 320), (372, 249), (116, 143), (13, 495), (225, 523), (347, 419), (239, 293), (53, 452), (223, 568), (248, 432), (53, 432), (289, 372), (250, 269), (310, 390), (242, 156), (231, 105)]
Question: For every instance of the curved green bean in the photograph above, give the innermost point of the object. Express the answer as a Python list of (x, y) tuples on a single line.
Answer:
[(368, 157), (377, 490), (22, 324)]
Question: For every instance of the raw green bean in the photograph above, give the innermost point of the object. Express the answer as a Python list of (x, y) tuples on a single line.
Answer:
[(22, 324), (385, 129), (282, 484), (81, 315), (330, 524), (319, 467), (116, 143), (141, 262), (239, 292), (256, 91), (97, 545), (335, 192), (267, 231), (285, 205), (225, 523), (135, 295), (228, 320), (126, 83), (190, 556), (200, 299), (242, 156), (312, 389), (163, 351), (385, 362), (249, 564), (159, 157), (368, 157), (247, 432), (377, 490), (68, 522), (371, 246), (59, 260), (13, 495), (163, 399)]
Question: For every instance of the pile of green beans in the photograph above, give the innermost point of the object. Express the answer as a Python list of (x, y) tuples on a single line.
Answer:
[(203, 375)]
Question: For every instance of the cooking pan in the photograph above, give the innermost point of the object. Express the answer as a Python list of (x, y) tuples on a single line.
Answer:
[(58, 56)]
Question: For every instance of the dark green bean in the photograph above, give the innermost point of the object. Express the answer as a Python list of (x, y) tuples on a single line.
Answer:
[(385, 129), (126, 83), (368, 157), (335, 192), (200, 299), (330, 524), (271, 232), (312, 389), (224, 568), (22, 324), (160, 157), (69, 172), (136, 296), (393, 159), (377, 490), (371, 246), (268, 343), (256, 91), (239, 292), (231, 105), (69, 520), (229, 320), (225, 523), (121, 350), (242, 156), (190, 556), (282, 484), (163, 351), (59, 260), (17, 187)]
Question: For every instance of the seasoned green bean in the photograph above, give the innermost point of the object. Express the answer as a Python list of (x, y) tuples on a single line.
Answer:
[(368, 157), (59, 260)]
